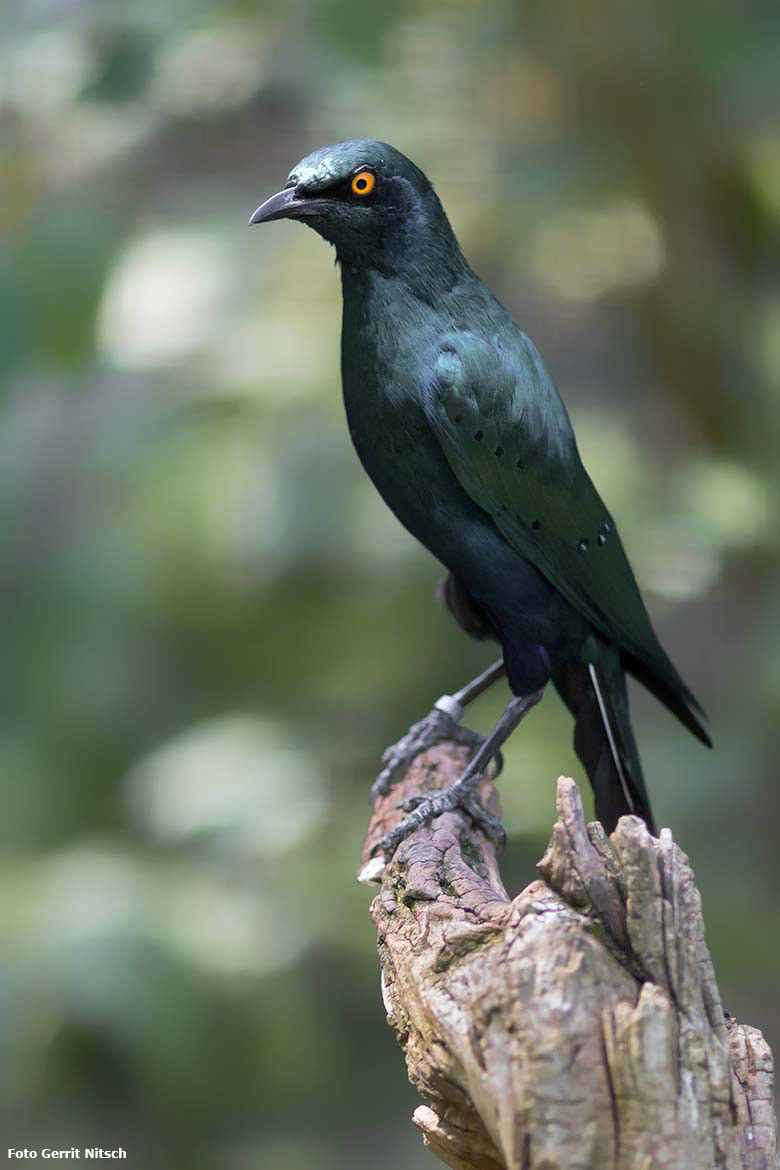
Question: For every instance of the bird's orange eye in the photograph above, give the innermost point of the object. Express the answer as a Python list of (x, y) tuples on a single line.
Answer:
[(363, 183)]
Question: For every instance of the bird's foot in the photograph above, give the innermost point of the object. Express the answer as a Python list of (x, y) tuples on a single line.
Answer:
[(422, 809), (436, 727)]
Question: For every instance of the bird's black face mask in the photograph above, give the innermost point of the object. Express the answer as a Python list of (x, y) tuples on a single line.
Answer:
[(365, 198)]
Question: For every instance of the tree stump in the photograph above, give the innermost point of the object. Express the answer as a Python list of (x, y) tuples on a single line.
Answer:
[(577, 1026)]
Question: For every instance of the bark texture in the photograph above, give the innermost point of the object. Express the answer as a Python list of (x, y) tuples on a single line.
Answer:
[(577, 1026)]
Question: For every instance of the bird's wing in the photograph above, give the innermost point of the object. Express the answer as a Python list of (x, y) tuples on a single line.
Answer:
[(507, 437)]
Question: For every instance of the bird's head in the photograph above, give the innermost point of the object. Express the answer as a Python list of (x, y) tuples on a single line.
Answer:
[(365, 197)]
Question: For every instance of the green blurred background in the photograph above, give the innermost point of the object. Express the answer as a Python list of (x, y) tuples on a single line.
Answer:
[(211, 624)]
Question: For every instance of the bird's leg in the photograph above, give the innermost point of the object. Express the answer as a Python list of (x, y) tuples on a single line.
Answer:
[(462, 793), (442, 723)]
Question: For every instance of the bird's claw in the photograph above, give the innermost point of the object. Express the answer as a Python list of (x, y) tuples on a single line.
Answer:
[(412, 802), (435, 728), (422, 809)]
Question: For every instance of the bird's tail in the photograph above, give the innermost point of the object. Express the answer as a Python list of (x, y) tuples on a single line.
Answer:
[(603, 739)]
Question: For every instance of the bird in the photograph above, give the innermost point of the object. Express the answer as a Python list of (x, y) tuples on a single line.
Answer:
[(460, 427)]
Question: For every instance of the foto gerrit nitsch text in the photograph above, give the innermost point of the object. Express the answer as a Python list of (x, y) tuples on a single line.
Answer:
[(73, 1153)]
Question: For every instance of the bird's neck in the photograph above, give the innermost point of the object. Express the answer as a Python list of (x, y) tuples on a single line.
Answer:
[(422, 257)]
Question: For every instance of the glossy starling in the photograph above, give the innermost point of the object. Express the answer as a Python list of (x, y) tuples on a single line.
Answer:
[(460, 427)]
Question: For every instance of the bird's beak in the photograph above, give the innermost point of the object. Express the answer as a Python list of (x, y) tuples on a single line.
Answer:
[(289, 204), (279, 206)]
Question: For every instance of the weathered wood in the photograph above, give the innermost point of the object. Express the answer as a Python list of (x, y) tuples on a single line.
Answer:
[(575, 1027)]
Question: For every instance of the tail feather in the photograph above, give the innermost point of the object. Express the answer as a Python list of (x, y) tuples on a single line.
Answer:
[(603, 739), (670, 690)]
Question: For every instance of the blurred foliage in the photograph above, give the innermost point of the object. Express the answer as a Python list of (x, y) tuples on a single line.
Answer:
[(212, 627)]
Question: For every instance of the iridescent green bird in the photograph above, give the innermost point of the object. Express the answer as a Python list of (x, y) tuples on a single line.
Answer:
[(460, 427)]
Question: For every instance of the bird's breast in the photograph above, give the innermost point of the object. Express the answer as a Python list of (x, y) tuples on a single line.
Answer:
[(396, 447), (388, 342)]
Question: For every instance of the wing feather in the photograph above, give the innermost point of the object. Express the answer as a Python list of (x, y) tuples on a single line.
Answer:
[(505, 432)]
